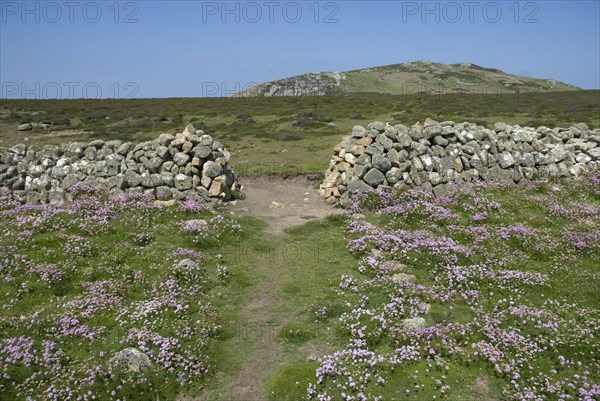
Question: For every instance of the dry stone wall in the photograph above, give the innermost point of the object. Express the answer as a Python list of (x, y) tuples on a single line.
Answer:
[(435, 155), (186, 165)]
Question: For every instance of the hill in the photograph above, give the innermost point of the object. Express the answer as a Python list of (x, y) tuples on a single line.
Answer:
[(407, 78)]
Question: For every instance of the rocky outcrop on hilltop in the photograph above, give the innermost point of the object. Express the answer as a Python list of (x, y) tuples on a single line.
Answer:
[(312, 84)]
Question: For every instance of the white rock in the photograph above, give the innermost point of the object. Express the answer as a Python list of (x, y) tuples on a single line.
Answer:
[(415, 322)]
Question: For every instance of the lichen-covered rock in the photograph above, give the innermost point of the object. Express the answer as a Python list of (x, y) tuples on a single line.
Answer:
[(131, 360), (358, 186), (212, 169), (415, 322), (374, 177)]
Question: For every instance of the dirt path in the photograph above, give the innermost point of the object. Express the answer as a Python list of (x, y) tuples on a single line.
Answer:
[(282, 203)]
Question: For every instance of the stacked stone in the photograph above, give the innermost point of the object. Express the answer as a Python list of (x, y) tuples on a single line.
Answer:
[(186, 165), (434, 155)]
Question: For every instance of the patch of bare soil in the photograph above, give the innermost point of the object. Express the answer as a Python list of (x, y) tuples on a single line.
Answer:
[(282, 203), (482, 386)]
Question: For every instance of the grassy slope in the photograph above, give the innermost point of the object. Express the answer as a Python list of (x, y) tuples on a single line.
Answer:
[(286, 277), (267, 132), (282, 300), (551, 213), (129, 252), (410, 78)]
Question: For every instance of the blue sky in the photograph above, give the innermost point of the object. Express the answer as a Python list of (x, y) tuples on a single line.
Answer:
[(121, 49)]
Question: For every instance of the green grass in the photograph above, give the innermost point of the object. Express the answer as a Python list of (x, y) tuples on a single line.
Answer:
[(468, 379), (290, 382), (134, 271), (282, 300), (290, 133)]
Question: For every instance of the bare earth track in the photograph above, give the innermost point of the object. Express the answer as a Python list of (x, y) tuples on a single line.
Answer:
[(281, 203)]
